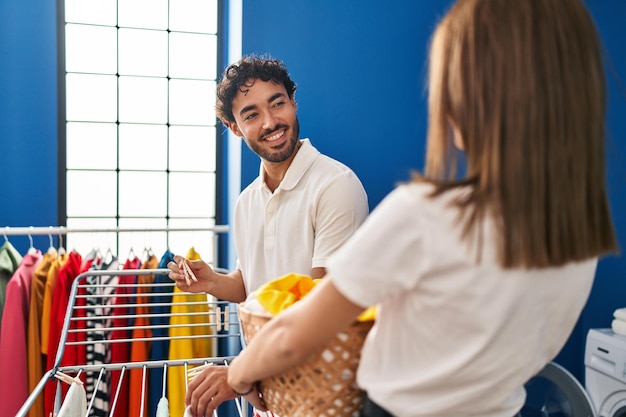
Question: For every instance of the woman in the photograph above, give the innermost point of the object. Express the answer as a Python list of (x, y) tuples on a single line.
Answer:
[(479, 278)]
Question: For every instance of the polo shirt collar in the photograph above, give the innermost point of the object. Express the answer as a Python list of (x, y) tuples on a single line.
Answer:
[(303, 160)]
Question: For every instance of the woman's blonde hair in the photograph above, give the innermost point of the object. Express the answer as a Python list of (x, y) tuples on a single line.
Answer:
[(522, 82)]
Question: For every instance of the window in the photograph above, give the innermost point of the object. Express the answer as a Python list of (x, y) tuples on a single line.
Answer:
[(140, 124)]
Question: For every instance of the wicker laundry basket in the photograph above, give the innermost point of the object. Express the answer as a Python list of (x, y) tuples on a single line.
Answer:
[(323, 385)]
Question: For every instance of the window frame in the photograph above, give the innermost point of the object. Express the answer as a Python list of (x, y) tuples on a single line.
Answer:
[(219, 179)]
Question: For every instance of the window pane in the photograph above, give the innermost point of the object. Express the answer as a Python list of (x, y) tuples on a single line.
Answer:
[(143, 100), (91, 145), (200, 186), (201, 241), (140, 75), (192, 148), (85, 242), (143, 194), (97, 12), (143, 14), (91, 97), (143, 52), (192, 102), (91, 193), (141, 242), (143, 147), (193, 15), (91, 49), (193, 56)]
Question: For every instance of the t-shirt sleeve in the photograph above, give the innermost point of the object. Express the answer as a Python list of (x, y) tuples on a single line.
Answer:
[(342, 208), (385, 255)]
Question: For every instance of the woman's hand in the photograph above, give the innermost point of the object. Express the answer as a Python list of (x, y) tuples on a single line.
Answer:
[(256, 398)]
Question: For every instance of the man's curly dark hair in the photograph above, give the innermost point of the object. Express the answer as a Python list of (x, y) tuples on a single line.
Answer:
[(238, 74)]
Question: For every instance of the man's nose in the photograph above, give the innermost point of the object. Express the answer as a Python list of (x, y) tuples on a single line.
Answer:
[(269, 121)]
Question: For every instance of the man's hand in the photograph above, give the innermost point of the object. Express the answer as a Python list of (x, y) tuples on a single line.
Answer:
[(195, 279), (207, 390)]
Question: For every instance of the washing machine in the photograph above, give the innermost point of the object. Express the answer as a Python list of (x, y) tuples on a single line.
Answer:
[(555, 392), (605, 372)]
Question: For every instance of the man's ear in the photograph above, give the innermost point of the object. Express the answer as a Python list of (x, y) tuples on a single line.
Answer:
[(235, 129)]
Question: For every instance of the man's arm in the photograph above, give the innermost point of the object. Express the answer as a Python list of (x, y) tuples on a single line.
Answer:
[(318, 272)]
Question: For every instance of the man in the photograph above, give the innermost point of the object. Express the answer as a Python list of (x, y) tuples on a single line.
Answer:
[(290, 219)]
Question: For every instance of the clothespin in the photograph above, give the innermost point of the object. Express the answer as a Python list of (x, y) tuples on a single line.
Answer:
[(222, 323), (68, 379), (192, 373)]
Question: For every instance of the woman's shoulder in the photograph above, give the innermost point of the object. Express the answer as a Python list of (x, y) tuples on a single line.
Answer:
[(422, 193)]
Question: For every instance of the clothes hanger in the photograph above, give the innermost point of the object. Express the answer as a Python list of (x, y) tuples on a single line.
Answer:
[(108, 256), (61, 248), (147, 253), (98, 258), (31, 248), (131, 254), (51, 249)]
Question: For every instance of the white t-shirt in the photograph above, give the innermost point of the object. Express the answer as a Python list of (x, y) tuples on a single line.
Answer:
[(318, 205), (452, 337)]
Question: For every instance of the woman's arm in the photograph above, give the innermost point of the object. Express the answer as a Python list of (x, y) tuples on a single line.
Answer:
[(293, 335)]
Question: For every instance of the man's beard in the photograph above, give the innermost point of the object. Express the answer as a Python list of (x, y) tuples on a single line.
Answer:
[(282, 155)]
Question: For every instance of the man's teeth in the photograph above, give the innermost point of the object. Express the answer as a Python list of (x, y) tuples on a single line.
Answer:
[(275, 136)]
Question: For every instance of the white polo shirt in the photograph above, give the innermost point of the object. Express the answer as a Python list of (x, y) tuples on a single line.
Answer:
[(317, 206), (452, 337)]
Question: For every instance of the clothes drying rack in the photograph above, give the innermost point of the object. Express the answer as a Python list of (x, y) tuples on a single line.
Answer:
[(219, 322)]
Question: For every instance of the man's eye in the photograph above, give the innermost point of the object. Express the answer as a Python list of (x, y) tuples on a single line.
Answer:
[(250, 116), (279, 103)]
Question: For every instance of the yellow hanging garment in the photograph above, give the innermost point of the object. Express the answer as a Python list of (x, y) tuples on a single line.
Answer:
[(186, 342)]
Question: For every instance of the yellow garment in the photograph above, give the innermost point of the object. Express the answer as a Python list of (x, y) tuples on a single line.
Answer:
[(51, 281), (280, 293), (369, 314), (182, 346)]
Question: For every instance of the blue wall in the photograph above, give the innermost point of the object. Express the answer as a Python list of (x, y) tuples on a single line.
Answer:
[(360, 70), (609, 290), (28, 116)]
